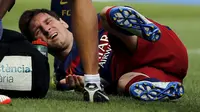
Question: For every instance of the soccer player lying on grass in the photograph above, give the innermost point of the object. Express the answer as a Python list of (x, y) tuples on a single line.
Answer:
[(89, 59), (141, 63)]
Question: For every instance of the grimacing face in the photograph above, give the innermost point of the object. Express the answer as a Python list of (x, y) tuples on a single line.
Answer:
[(49, 29)]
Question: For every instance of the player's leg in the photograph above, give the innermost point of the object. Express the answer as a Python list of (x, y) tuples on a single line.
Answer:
[(150, 84), (118, 35), (130, 22), (5, 5), (84, 27)]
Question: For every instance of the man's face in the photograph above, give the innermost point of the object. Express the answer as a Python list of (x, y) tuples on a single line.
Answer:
[(51, 30)]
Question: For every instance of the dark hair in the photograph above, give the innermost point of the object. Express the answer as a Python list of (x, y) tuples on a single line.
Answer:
[(26, 18)]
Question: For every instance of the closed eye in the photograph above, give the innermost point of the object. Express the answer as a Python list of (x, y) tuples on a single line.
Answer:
[(48, 21), (37, 32)]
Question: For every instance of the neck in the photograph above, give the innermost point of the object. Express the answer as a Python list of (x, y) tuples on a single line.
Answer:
[(61, 55)]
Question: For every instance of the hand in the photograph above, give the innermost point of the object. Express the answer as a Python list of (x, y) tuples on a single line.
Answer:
[(75, 82)]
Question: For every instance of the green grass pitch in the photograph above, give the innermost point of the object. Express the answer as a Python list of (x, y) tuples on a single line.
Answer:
[(185, 20)]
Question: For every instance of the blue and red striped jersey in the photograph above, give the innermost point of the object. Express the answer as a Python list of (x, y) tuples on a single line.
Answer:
[(62, 9), (72, 63)]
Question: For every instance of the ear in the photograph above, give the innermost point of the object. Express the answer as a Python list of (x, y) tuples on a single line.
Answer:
[(64, 23)]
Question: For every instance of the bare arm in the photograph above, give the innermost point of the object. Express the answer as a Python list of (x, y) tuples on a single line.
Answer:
[(129, 41), (5, 5)]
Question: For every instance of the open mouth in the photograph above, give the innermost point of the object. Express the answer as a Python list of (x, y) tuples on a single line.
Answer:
[(53, 35)]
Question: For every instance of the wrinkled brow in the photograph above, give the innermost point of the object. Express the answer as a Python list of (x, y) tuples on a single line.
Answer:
[(35, 27)]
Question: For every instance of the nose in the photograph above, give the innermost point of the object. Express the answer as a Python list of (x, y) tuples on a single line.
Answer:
[(46, 29)]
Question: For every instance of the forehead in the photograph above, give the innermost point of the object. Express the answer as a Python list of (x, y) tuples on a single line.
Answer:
[(40, 17), (37, 19)]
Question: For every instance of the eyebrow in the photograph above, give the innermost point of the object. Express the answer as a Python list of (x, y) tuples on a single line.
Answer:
[(48, 18), (35, 28)]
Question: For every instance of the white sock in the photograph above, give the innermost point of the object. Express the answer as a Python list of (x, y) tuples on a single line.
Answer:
[(92, 78)]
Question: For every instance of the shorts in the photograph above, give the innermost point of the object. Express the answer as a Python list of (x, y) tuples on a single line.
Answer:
[(152, 72), (161, 60)]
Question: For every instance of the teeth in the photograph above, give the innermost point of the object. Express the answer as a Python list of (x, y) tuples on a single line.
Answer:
[(54, 35)]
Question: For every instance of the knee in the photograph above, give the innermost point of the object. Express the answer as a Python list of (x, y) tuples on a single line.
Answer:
[(125, 80), (104, 10)]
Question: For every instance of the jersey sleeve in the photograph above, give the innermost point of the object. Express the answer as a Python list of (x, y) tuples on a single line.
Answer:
[(59, 72)]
